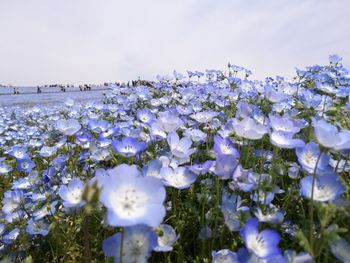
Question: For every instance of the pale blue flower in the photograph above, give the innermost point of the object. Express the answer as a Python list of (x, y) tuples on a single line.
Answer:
[(166, 238), (132, 199), (224, 256), (73, 193), (68, 127), (328, 187), (263, 244), (129, 146)]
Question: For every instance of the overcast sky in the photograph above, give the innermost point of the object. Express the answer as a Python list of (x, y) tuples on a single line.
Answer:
[(86, 41)]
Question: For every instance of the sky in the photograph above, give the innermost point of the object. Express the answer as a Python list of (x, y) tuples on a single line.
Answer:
[(96, 41)]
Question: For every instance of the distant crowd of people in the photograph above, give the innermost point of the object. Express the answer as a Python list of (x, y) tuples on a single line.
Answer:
[(87, 87)]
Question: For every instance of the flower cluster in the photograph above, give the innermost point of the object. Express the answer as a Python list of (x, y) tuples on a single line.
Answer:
[(210, 167)]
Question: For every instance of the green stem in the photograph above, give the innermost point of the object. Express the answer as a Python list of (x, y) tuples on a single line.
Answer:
[(311, 207)]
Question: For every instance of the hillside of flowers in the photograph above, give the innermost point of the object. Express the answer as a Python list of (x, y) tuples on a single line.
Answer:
[(205, 167)]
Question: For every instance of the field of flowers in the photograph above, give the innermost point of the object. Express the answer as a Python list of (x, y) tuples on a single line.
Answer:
[(209, 167)]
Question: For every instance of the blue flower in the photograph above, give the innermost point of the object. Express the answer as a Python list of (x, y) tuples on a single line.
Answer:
[(179, 178), (224, 146), (334, 58), (308, 155), (285, 140), (145, 115), (39, 227), (25, 165), (328, 187), (232, 210), (340, 249), (73, 193), (263, 244), (225, 166), (132, 199), (129, 146), (137, 243), (249, 128), (166, 238), (329, 136), (224, 256), (4, 168), (201, 168), (68, 127), (180, 148), (19, 152)]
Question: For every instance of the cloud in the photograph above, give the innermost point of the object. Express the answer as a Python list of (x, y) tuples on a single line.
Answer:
[(95, 41)]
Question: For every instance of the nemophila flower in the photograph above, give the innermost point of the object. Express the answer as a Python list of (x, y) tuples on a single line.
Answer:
[(166, 237), (39, 227), (196, 135), (249, 128), (204, 117), (135, 245), (132, 199), (243, 179), (292, 256), (169, 121), (180, 177), (205, 233), (180, 148), (129, 146), (329, 136), (145, 115), (271, 215), (334, 58), (25, 165), (45, 210), (201, 168), (263, 244), (4, 168), (99, 125), (183, 110), (233, 210), (310, 98), (47, 151), (83, 137), (68, 127), (285, 140), (19, 152), (72, 194), (153, 169), (225, 146), (99, 154), (275, 96), (340, 249), (328, 187), (157, 132), (284, 124), (224, 256), (11, 236), (294, 170), (262, 196), (12, 200), (307, 158), (225, 166)]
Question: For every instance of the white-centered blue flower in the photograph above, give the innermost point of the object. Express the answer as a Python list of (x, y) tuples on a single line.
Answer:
[(132, 199), (166, 238), (180, 148), (72, 193), (224, 256), (328, 187), (180, 177), (68, 127), (263, 244)]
